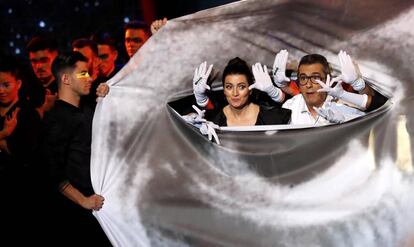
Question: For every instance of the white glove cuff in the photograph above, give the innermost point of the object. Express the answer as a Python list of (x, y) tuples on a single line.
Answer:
[(201, 99), (359, 100), (358, 84), (280, 80), (276, 94)]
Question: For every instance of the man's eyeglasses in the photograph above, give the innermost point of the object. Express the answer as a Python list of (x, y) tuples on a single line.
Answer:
[(303, 79), (82, 75)]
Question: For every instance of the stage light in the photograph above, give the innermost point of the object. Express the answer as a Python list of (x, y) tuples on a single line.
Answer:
[(126, 19), (17, 51), (10, 11), (96, 3), (18, 36), (11, 44), (42, 24)]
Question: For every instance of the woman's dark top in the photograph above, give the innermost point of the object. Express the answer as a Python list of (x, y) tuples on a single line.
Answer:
[(266, 116)]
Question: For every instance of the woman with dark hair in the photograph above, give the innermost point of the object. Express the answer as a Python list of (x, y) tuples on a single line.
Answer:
[(238, 88)]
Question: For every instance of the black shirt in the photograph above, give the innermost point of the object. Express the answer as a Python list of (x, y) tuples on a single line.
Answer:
[(66, 147), (266, 116), (24, 140)]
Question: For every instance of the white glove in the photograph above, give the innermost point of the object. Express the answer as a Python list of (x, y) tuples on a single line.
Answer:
[(330, 114), (195, 118), (205, 127), (208, 128), (200, 86), (264, 83), (359, 100), (349, 72), (279, 69)]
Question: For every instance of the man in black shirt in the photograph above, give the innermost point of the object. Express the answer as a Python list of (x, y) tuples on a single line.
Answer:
[(67, 148)]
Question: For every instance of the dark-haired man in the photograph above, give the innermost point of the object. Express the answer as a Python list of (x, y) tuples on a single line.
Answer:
[(136, 34), (313, 105), (67, 147), (42, 52), (107, 54), (89, 49)]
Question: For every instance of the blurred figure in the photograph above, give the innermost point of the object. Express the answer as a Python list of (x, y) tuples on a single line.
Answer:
[(107, 54), (42, 53), (136, 34), (89, 49), (21, 181)]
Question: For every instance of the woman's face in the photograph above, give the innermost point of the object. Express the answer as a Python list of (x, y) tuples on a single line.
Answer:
[(236, 90)]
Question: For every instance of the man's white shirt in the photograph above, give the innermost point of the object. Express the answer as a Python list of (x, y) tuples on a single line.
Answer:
[(301, 114)]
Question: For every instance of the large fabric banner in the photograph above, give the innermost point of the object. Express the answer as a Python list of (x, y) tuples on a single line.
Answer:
[(351, 184)]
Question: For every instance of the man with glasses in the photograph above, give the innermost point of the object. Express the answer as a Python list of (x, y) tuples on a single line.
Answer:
[(314, 104)]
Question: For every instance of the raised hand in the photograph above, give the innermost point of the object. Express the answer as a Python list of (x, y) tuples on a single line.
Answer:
[(10, 123), (349, 72), (157, 25), (336, 91), (200, 86), (264, 83), (279, 69), (359, 100)]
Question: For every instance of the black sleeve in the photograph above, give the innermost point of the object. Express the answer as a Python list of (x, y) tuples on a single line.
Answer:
[(377, 101), (273, 116), (54, 150), (219, 118), (25, 138)]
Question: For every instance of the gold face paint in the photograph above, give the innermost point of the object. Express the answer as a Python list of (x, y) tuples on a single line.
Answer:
[(82, 75)]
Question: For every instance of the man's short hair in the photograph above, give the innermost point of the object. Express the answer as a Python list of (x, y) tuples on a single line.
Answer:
[(314, 59), (104, 39), (39, 43), (81, 43), (9, 64), (66, 63), (138, 25)]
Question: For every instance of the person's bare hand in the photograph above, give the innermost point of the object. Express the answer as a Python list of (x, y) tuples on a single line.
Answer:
[(11, 122), (102, 90), (93, 202), (157, 24)]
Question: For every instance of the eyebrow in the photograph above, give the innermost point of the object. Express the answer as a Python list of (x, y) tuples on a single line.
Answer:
[(237, 83), (313, 73)]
